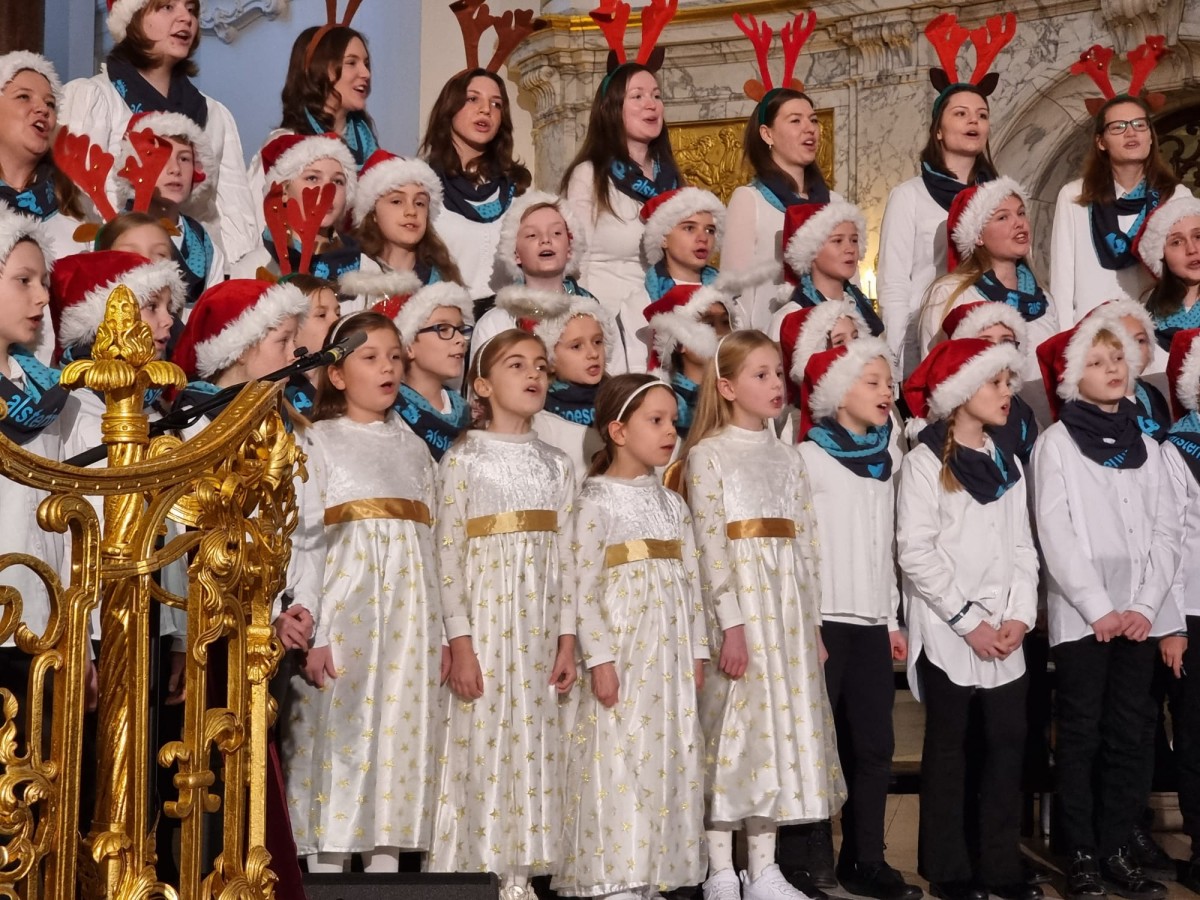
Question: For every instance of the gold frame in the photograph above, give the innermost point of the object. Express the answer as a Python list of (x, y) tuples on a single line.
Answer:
[(709, 152)]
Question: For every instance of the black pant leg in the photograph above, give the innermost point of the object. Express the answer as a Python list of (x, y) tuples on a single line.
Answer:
[(1185, 716), (1082, 671), (999, 802), (942, 851)]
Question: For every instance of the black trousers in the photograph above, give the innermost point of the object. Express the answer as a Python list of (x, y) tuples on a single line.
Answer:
[(1105, 716), (944, 853), (1185, 720)]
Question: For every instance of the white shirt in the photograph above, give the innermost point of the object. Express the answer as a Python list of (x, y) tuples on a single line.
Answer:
[(579, 442), (1109, 537), (1186, 587), (950, 585)]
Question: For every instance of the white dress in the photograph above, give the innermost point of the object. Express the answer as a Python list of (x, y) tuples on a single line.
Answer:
[(771, 747), (634, 814), (368, 741), (472, 246), (499, 791), (579, 442), (93, 107)]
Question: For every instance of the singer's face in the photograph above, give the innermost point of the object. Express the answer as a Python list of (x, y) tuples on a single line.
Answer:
[(273, 352), (316, 175), (323, 311), (150, 241), (370, 376), (157, 314)]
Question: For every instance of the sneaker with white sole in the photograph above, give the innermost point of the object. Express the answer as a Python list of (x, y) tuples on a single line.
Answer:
[(770, 885), (723, 885)]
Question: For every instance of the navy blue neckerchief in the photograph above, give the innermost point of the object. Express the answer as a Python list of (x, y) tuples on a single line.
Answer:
[(1153, 413), (1185, 435), (628, 178), (1019, 433), (437, 429), (1113, 440), (573, 402), (358, 136), (475, 201), (38, 199), (36, 406), (1114, 247), (866, 455), (343, 256), (777, 193), (944, 188), (807, 296), (300, 393), (985, 476), (686, 392), (141, 96), (194, 257), (1027, 298), (658, 280)]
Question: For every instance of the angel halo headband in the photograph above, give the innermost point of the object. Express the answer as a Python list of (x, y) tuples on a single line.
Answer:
[(640, 389)]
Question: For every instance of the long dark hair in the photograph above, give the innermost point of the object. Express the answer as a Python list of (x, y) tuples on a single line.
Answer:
[(496, 161), (606, 141), (1097, 184), (933, 156), (1167, 296), (137, 49), (307, 87), (330, 402), (431, 249), (756, 152)]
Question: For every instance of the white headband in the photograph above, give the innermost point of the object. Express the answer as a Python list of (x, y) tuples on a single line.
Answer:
[(717, 355), (641, 389)]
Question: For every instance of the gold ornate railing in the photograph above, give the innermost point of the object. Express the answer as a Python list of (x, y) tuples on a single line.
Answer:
[(223, 504)]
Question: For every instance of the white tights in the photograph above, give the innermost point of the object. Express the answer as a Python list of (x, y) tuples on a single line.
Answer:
[(381, 859), (760, 841)]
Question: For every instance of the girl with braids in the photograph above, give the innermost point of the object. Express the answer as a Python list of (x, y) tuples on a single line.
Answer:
[(967, 613)]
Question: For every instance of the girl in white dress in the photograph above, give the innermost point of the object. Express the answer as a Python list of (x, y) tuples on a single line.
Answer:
[(503, 497), (635, 769), (771, 751), (376, 653)]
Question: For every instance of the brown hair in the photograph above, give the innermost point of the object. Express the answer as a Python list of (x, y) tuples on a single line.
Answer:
[(934, 156), (605, 140), (138, 50), (1097, 184), (124, 222), (431, 249), (757, 153), (311, 284), (492, 351), (613, 394), (1166, 297), (330, 402), (307, 88), (496, 161), (950, 484)]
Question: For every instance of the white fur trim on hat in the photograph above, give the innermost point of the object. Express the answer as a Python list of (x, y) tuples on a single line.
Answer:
[(551, 330), (269, 311), (1081, 342), (810, 237), (420, 306), (827, 394), (374, 285), (121, 15), (296, 159), (1152, 242), (387, 176), (506, 249), (989, 313), (682, 326), (522, 302), (735, 283), (814, 334), (1187, 387), (687, 202), (81, 320), (1113, 311), (169, 124), (979, 209), (15, 227), (22, 60), (962, 385)]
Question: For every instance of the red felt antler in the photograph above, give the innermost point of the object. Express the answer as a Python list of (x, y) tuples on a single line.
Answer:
[(331, 22), (512, 28), (989, 39), (1144, 60), (304, 218), (795, 35), (151, 155), (760, 38), (275, 212), (474, 20), (655, 16), (947, 38), (1093, 63), (88, 166), (613, 18)]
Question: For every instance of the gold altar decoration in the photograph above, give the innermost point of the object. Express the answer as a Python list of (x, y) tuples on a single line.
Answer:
[(709, 153), (232, 491)]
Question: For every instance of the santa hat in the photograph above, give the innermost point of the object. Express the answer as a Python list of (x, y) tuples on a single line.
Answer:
[(970, 212), (120, 15), (806, 228), (15, 227), (22, 60), (285, 157), (806, 330), (953, 371), (229, 319), (169, 125), (547, 314), (1113, 311), (1183, 372), (1150, 244), (410, 309), (662, 213), (81, 284), (968, 320), (506, 249), (384, 172), (1062, 357), (829, 374)]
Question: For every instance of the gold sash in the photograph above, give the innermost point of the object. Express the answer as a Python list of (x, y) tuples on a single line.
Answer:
[(760, 528), (381, 508), (513, 522), (636, 551)]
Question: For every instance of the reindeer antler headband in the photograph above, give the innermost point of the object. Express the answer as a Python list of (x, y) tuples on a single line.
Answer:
[(613, 18), (1144, 58), (300, 217), (331, 22), (948, 37), (512, 27), (794, 35)]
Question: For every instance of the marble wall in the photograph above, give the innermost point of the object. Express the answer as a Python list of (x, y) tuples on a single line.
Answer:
[(869, 62)]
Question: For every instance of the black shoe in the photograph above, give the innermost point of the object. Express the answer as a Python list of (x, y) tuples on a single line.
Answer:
[(820, 856), (1189, 874), (1083, 877), (1032, 873), (957, 890), (1123, 877), (1149, 856), (1018, 890), (802, 881), (877, 880)]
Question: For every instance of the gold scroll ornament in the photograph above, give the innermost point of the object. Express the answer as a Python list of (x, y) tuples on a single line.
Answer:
[(233, 488)]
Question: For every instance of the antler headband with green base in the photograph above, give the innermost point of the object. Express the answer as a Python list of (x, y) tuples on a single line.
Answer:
[(948, 37), (1144, 58), (794, 35), (613, 18)]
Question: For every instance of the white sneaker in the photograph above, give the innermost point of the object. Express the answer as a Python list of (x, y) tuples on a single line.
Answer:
[(723, 885), (770, 885), (517, 892)]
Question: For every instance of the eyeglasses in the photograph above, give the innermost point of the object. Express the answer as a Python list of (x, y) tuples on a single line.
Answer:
[(446, 331), (1119, 126)]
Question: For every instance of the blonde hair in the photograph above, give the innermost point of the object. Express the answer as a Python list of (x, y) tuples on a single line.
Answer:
[(950, 484)]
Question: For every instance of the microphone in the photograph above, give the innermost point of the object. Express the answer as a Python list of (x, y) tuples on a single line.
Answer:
[(335, 353)]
